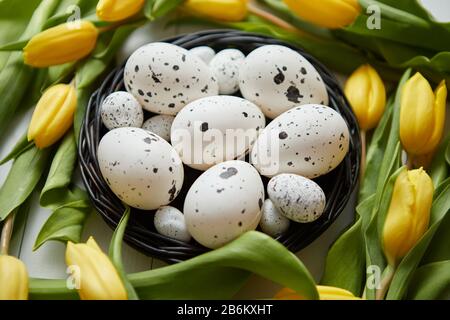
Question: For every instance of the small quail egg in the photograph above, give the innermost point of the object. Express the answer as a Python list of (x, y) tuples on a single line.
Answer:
[(225, 67), (272, 221), (121, 109), (169, 222), (205, 53), (159, 125), (296, 197)]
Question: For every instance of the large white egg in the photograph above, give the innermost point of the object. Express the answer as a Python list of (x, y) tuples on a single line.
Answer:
[(223, 203), (309, 140), (141, 168), (277, 78), (225, 66), (164, 77), (215, 129)]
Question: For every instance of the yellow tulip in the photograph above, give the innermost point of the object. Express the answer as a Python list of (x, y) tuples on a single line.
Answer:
[(13, 279), (53, 115), (64, 43), (325, 293), (408, 215), (367, 96), (98, 278), (222, 10), (116, 10), (422, 115), (331, 14)]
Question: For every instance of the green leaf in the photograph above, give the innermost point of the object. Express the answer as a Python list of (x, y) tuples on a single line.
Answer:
[(158, 8), (439, 168), (411, 6), (218, 274), (23, 177), (70, 204), (438, 249), (14, 46), (431, 282), (20, 221), (21, 146), (447, 154), (115, 253)]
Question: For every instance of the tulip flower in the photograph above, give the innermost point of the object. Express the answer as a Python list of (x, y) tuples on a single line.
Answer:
[(13, 279), (64, 43), (222, 10), (325, 293), (116, 10), (53, 115), (422, 115), (331, 14), (408, 215), (98, 278), (367, 96)]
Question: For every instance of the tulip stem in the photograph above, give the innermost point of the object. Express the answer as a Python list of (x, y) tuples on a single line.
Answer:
[(257, 11), (410, 162), (362, 166), (386, 280), (6, 234)]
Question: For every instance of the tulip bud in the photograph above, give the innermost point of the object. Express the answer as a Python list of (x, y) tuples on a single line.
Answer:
[(222, 10), (331, 14), (367, 96), (422, 115), (325, 293), (13, 279), (98, 278), (408, 215), (64, 43), (116, 10), (53, 115)]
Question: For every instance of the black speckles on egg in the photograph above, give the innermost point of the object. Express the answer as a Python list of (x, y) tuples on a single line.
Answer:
[(228, 173), (279, 78), (283, 135), (204, 127), (293, 94)]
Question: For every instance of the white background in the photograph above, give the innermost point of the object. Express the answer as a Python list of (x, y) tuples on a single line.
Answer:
[(48, 261)]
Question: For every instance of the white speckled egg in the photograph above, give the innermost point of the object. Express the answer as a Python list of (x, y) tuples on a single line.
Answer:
[(159, 125), (141, 168), (164, 77), (225, 67), (169, 222), (296, 197), (277, 78), (223, 203), (272, 221), (215, 129), (309, 140), (205, 53), (121, 109)]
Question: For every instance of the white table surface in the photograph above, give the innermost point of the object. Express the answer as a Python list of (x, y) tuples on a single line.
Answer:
[(48, 261)]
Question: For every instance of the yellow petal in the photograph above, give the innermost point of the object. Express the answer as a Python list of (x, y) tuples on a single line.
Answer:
[(64, 43), (325, 293), (116, 10), (222, 10), (440, 105), (13, 279)]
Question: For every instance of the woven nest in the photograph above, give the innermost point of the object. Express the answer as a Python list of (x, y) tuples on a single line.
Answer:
[(140, 233)]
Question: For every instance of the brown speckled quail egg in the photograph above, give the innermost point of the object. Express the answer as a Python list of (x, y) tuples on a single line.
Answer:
[(141, 168), (203, 52), (309, 140), (169, 221), (225, 66), (215, 129), (121, 109), (277, 78), (159, 125), (272, 221), (164, 77), (223, 203), (296, 197)]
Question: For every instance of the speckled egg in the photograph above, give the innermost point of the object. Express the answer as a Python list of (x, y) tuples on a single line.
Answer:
[(309, 140), (205, 53), (169, 221), (159, 125), (215, 129), (223, 203), (164, 77), (225, 67), (141, 168), (121, 109), (277, 78), (296, 197), (272, 221)]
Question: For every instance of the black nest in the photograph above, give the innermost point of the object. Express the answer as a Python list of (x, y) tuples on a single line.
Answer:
[(140, 233)]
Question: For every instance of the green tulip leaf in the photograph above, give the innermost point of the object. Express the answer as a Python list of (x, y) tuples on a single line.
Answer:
[(438, 248), (431, 282), (158, 8), (410, 6), (439, 167), (14, 46), (21, 146)]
